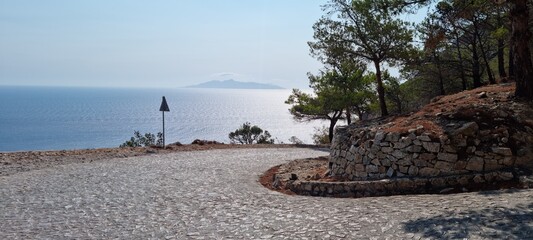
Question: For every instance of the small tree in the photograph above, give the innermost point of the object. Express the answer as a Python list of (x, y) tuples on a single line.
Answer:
[(295, 140), (146, 140), (248, 134), (321, 135), (326, 105)]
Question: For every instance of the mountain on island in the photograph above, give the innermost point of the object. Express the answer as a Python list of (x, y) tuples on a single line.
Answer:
[(232, 84)]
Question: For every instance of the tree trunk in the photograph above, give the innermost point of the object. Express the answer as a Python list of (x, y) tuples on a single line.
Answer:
[(359, 113), (348, 116), (476, 75), (332, 123), (501, 48), (501, 60), (522, 55), (381, 90), (511, 62), (460, 56), (441, 79), (484, 54)]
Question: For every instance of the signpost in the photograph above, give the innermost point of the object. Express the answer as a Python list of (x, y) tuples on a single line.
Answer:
[(164, 108)]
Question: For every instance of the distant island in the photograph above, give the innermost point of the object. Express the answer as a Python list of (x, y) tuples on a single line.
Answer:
[(232, 84)]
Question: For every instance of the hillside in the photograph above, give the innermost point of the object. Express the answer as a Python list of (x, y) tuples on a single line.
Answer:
[(232, 84)]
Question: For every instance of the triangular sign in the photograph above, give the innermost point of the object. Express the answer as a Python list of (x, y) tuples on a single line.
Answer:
[(164, 106)]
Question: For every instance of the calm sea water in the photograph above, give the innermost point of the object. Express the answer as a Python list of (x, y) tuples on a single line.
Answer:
[(52, 118)]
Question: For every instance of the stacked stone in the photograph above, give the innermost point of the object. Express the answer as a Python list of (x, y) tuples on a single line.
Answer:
[(371, 154), (397, 186)]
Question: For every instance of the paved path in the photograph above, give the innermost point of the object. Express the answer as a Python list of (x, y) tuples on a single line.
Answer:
[(215, 195)]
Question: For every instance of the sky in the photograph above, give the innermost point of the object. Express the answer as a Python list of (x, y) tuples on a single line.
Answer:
[(160, 43)]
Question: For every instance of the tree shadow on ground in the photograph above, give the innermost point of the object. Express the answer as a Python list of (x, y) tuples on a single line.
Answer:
[(488, 223)]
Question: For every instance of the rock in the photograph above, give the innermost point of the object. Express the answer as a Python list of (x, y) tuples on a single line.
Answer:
[(379, 136), (468, 129), (491, 164), (413, 171), (475, 164), (387, 149), (428, 172), (424, 138), (405, 184), (276, 184), (392, 137), (372, 169), (431, 146), (427, 156), (403, 143), (502, 114), (358, 158), (414, 149), (376, 162), (449, 157), (420, 163), (482, 95), (479, 179), (502, 151), (385, 162), (464, 180), (353, 149), (459, 165), (470, 149), (293, 177), (448, 148), (506, 176), (508, 161), (398, 154), (446, 190), (350, 156), (438, 182), (390, 172), (443, 166)]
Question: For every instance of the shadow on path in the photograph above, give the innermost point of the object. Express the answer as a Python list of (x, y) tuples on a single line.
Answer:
[(488, 223)]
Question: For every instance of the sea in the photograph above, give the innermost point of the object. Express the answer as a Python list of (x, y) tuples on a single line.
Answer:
[(64, 118)]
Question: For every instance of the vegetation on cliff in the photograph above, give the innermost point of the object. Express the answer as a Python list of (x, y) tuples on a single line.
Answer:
[(460, 45)]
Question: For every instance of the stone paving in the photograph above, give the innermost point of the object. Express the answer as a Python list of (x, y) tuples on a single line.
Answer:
[(215, 195)]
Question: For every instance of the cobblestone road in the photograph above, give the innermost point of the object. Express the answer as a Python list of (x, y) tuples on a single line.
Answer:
[(215, 195)]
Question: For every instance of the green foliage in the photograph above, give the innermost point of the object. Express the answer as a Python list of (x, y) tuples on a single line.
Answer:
[(248, 134), (338, 92), (146, 140), (321, 135), (364, 30), (295, 140)]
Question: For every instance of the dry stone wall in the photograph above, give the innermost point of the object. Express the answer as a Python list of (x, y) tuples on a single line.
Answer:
[(367, 153)]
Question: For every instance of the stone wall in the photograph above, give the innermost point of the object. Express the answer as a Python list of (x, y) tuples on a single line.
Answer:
[(386, 187), (368, 153)]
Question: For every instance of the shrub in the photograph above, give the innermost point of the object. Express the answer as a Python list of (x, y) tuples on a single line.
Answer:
[(248, 134), (295, 140), (148, 139), (321, 135)]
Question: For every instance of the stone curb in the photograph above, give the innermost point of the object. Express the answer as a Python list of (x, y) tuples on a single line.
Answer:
[(399, 186)]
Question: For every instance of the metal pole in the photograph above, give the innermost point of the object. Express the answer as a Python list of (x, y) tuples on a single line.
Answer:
[(163, 129)]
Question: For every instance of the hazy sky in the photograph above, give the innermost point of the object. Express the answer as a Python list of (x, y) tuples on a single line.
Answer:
[(160, 43)]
